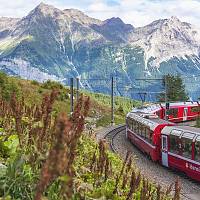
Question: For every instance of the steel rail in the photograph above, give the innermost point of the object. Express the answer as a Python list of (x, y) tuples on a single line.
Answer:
[(111, 135)]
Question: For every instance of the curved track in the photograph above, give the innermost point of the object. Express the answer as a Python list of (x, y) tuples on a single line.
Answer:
[(154, 171), (112, 134)]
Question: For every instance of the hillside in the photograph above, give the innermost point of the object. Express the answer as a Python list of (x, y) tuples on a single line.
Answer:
[(45, 154), (50, 43), (100, 111)]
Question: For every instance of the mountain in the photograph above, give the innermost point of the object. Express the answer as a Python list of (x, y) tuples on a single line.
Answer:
[(114, 29), (163, 39), (50, 43)]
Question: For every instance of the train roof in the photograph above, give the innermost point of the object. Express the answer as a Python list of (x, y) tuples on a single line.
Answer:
[(186, 131), (152, 121), (147, 109), (156, 107), (186, 103)]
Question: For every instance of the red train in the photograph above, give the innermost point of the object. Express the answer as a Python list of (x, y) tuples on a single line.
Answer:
[(173, 146), (177, 112)]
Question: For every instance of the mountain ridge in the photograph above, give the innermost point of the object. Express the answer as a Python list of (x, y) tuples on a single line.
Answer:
[(50, 43)]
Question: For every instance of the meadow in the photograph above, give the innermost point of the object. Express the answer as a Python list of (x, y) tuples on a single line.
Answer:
[(46, 153)]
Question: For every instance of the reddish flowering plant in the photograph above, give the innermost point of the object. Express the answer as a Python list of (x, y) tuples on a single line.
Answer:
[(61, 157)]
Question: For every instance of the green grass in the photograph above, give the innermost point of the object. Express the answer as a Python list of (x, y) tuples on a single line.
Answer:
[(122, 106), (100, 103)]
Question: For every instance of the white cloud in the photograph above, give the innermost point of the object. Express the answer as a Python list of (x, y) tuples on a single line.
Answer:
[(136, 12), (20, 8), (142, 12)]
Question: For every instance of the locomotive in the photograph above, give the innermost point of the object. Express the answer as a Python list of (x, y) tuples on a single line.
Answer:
[(177, 112), (173, 146)]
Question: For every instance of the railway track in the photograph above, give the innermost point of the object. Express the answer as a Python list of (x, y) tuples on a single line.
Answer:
[(112, 134), (155, 172)]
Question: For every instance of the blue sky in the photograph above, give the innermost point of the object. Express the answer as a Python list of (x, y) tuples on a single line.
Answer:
[(136, 12)]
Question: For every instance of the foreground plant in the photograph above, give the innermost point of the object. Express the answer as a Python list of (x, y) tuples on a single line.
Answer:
[(59, 164), (102, 174)]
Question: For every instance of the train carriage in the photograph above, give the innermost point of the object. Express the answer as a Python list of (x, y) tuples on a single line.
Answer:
[(181, 111), (144, 131), (171, 145), (177, 112), (180, 149)]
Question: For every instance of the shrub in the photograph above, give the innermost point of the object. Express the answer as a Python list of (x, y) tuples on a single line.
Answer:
[(120, 109), (8, 87), (52, 85), (198, 122), (34, 82)]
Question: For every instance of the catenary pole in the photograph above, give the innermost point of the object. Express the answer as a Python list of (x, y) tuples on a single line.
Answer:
[(77, 88), (71, 95), (165, 81), (112, 101)]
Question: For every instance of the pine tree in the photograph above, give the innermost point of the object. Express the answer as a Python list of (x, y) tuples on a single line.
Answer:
[(175, 89)]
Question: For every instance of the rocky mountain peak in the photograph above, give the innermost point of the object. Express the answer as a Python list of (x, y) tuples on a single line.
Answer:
[(44, 10), (44, 7), (73, 12), (114, 29), (114, 20), (173, 22), (175, 19), (80, 17)]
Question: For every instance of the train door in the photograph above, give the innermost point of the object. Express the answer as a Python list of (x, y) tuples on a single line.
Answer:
[(185, 114), (164, 151)]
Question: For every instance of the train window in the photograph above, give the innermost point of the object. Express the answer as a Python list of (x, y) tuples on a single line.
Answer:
[(188, 135), (146, 132), (143, 131), (129, 123), (175, 145), (195, 109), (158, 113), (140, 129), (149, 135), (132, 124), (197, 149), (164, 143), (173, 112), (176, 132), (135, 126), (186, 149)]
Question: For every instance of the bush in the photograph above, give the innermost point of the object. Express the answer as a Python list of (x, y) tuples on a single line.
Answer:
[(120, 109), (8, 87), (52, 85), (34, 82), (198, 122)]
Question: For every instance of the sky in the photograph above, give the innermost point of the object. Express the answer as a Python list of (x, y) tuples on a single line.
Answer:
[(136, 12)]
